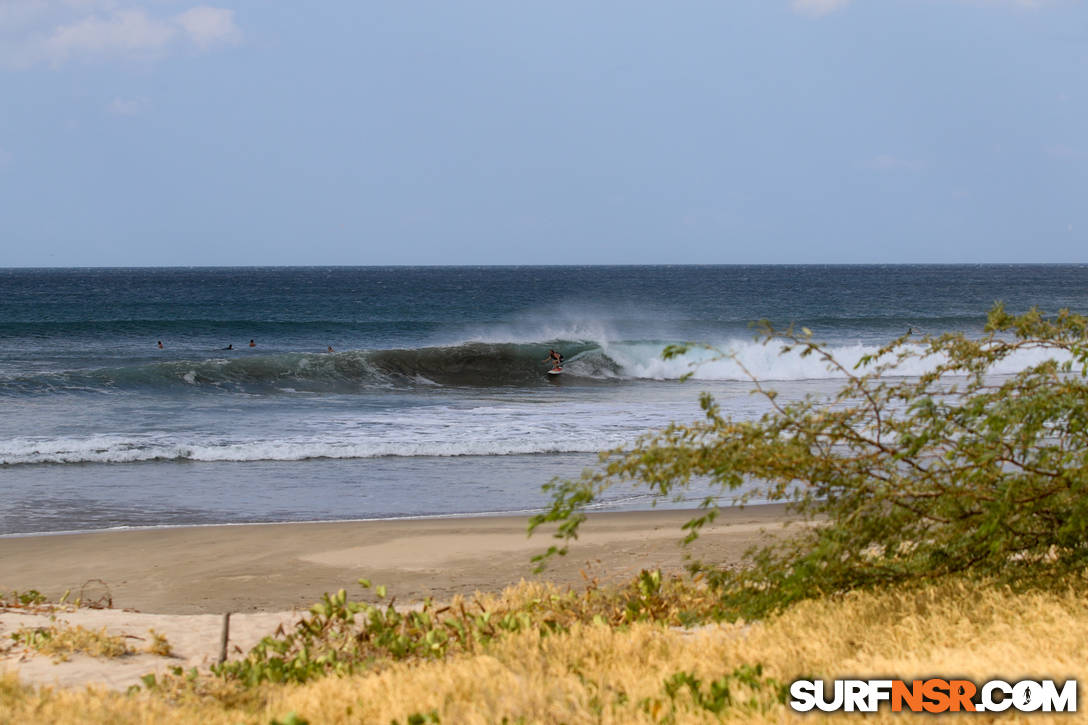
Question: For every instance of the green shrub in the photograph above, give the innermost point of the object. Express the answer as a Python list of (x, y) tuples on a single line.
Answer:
[(342, 637), (957, 470), (724, 693)]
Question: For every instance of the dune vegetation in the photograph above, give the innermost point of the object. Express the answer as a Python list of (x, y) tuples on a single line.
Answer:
[(576, 658)]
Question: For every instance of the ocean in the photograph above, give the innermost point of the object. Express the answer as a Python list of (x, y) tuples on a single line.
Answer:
[(434, 400)]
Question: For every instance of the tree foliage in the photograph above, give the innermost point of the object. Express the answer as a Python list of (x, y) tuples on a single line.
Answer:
[(906, 478)]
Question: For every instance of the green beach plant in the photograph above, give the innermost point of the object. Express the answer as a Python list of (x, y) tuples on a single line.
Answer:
[(343, 636), (725, 693), (908, 477)]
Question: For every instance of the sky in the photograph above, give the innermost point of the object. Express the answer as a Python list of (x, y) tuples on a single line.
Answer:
[(345, 132)]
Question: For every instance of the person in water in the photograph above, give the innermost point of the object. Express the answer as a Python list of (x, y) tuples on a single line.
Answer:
[(252, 344), (160, 344), (330, 349), (229, 347)]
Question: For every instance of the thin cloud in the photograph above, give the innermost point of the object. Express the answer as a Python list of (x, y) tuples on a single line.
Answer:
[(816, 8), (86, 30), (819, 8), (126, 106), (124, 33), (92, 4), (1024, 3), (209, 26)]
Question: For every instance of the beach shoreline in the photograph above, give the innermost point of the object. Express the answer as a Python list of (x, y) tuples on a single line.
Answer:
[(282, 566)]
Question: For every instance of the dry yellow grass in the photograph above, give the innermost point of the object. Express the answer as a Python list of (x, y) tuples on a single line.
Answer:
[(60, 641), (596, 673)]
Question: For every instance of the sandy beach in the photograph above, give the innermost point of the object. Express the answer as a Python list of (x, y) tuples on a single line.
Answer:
[(181, 581), (276, 567)]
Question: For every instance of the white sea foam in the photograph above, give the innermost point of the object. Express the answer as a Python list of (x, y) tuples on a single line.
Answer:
[(128, 451), (746, 360), (496, 430)]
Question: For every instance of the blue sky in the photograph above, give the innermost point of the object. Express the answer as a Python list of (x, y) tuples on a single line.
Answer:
[(717, 132)]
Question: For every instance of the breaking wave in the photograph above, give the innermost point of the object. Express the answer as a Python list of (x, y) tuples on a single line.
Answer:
[(470, 364)]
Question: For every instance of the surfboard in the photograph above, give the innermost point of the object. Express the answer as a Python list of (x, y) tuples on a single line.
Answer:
[(555, 371)]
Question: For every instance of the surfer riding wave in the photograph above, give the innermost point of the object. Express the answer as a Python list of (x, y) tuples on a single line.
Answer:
[(555, 359)]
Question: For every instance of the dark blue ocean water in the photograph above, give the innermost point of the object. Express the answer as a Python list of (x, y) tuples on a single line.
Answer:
[(434, 400)]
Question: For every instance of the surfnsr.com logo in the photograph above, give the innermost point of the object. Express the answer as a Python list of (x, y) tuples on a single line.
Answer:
[(934, 695)]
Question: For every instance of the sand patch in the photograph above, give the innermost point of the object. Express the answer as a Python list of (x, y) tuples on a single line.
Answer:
[(194, 639)]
